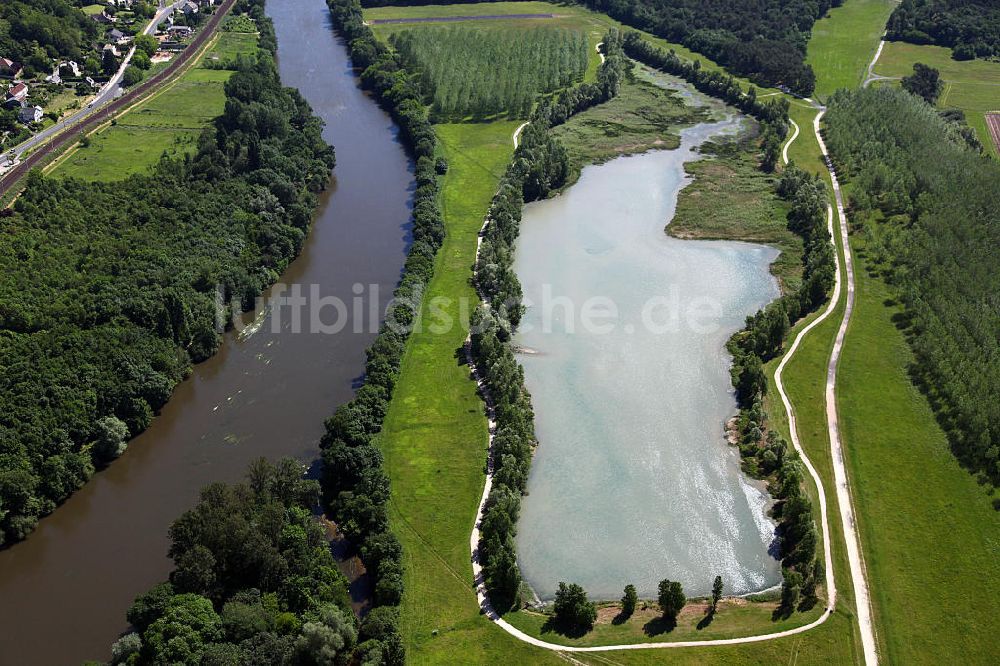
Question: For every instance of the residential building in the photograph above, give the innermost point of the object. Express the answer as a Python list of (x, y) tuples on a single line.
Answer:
[(30, 114), (16, 96), (9, 68)]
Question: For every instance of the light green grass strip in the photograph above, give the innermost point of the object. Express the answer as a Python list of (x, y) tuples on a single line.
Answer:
[(843, 43)]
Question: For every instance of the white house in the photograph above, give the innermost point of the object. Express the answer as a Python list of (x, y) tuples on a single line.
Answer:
[(30, 114)]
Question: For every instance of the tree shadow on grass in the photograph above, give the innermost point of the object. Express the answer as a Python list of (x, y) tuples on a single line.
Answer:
[(659, 625), (707, 620), (782, 612), (621, 618), (570, 631)]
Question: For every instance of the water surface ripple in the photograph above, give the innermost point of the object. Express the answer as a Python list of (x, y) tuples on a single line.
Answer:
[(633, 480)]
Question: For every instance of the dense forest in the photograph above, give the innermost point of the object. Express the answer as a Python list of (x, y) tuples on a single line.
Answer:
[(764, 40), (483, 72), (254, 582), (111, 291), (34, 32), (927, 202), (970, 27)]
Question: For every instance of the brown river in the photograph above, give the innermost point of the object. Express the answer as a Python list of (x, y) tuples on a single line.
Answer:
[(64, 591)]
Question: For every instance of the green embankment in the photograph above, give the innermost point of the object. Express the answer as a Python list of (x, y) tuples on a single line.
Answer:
[(970, 85), (929, 533), (169, 121), (435, 436), (731, 198), (844, 42), (642, 117)]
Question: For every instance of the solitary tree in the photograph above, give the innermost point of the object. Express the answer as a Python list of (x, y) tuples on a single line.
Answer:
[(671, 599), (924, 82), (716, 593), (573, 611), (629, 601)]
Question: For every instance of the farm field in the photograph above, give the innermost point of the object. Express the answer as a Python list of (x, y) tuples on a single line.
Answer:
[(912, 492), (169, 121), (484, 72), (569, 16), (843, 43), (993, 125), (971, 85)]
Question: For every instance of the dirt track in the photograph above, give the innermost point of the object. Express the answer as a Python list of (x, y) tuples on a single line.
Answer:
[(67, 137)]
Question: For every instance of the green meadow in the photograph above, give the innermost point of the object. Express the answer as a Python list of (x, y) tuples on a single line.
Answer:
[(167, 122), (844, 42)]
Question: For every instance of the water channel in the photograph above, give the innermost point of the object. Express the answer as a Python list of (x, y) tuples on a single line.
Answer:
[(64, 591)]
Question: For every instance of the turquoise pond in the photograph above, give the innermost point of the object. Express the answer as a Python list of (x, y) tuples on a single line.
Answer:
[(623, 347)]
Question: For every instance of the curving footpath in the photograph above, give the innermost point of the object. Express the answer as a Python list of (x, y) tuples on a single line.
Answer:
[(795, 135), (517, 140), (872, 76)]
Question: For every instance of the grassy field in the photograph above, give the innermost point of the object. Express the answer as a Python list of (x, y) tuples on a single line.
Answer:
[(169, 121), (92, 10), (929, 533), (844, 42), (972, 85), (435, 438)]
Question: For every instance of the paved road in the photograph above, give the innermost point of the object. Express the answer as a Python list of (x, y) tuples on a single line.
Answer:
[(96, 116), (108, 92)]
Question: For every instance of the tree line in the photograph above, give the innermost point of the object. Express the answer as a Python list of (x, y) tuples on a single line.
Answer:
[(764, 41), (254, 582), (111, 289), (355, 486), (970, 27), (539, 165), (484, 72), (926, 200)]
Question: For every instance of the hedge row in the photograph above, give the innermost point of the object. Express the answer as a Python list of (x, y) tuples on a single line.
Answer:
[(539, 166)]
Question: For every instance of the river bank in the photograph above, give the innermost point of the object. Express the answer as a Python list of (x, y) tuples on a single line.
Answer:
[(267, 394)]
